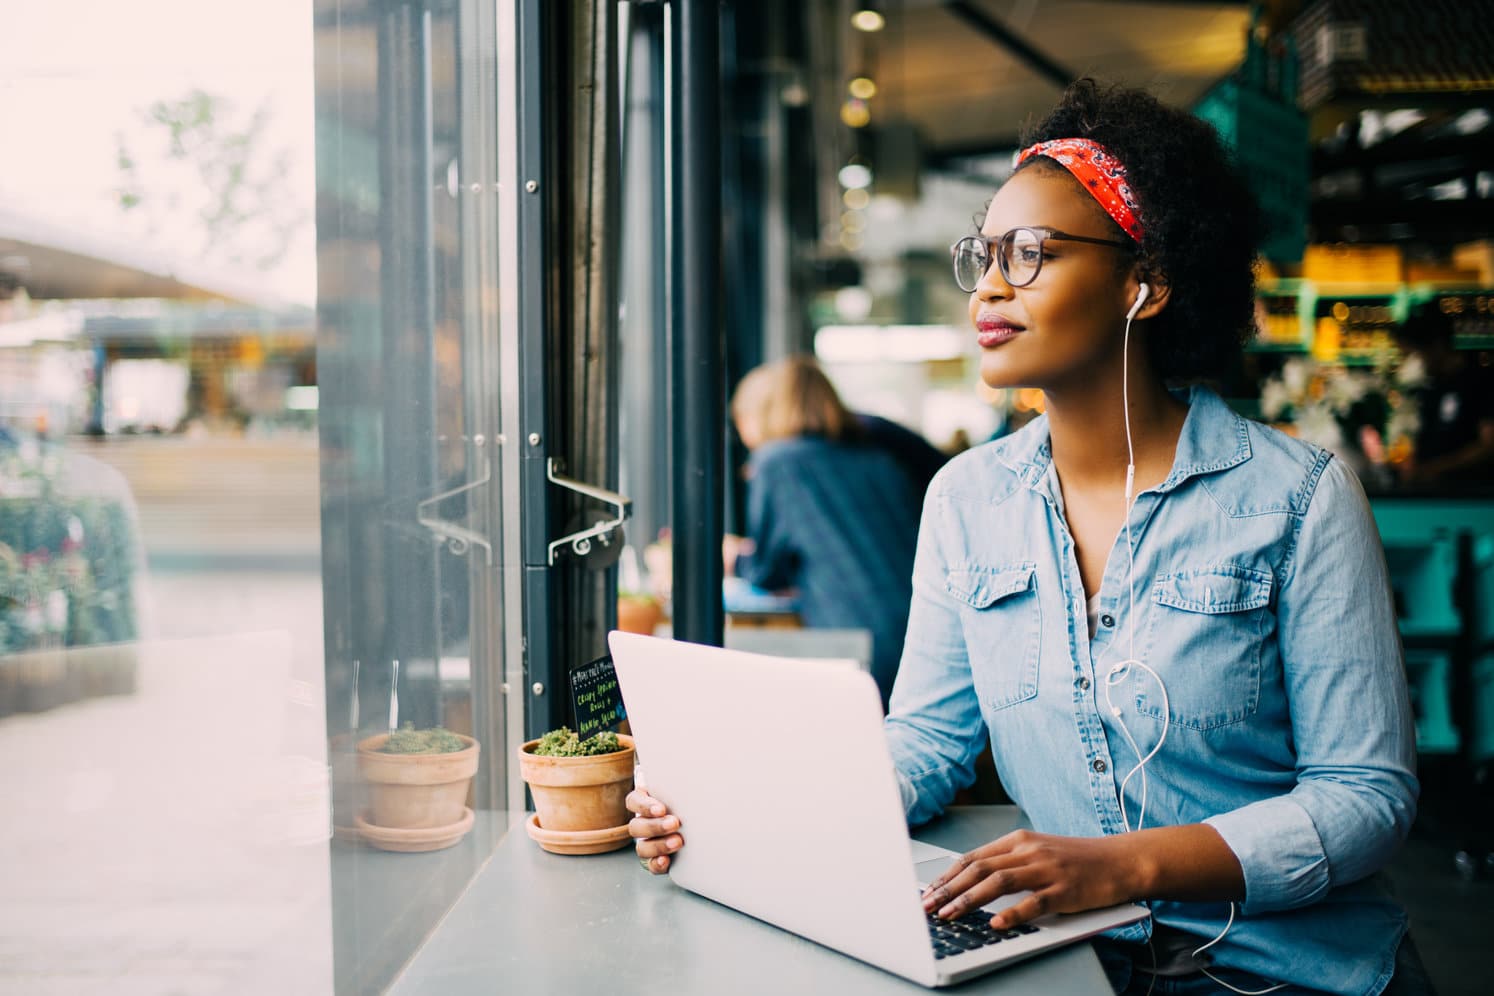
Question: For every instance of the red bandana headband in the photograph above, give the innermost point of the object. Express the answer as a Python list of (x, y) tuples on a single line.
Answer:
[(1099, 172)]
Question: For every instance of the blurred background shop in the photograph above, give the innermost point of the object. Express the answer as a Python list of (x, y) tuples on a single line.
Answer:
[(338, 336)]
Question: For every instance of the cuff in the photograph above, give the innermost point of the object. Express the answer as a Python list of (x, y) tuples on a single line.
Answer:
[(1279, 851)]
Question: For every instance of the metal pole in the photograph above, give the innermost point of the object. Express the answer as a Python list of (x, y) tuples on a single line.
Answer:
[(695, 322), (530, 184)]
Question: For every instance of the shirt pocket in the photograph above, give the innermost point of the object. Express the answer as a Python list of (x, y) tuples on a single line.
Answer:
[(1000, 615), (1208, 626)]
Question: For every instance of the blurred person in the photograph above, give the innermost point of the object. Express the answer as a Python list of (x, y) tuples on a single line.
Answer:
[(1173, 624), (919, 458), (1455, 443), (830, 512)]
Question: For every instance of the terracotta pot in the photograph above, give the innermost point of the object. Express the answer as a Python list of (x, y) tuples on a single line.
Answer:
[(579, 793), (416, 791), (638, 614), (349, 788)]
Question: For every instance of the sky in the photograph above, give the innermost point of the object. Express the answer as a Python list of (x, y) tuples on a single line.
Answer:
[(76, 73)]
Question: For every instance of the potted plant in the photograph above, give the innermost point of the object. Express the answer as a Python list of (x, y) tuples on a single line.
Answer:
[(417, 788), (640, 605), (579, 788), (638, 612)]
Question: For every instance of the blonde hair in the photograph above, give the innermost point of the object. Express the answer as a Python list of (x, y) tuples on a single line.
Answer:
[(789, 398)]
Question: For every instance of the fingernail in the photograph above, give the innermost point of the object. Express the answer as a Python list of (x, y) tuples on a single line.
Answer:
[(672, 823), (657, 809), (946, 911), (672, 843)]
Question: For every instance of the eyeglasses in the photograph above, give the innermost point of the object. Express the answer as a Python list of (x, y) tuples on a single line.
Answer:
[(1018, 254)]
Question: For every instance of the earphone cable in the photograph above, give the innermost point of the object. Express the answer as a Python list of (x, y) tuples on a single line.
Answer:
[(1120, 670)]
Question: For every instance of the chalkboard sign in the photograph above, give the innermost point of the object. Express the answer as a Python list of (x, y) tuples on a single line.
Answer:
[(596, 700)]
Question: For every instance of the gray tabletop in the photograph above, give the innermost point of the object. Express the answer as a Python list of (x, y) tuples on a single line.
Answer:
[(535, 924)]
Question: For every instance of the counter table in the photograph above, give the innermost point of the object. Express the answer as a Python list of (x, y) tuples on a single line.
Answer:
[(540, 924)]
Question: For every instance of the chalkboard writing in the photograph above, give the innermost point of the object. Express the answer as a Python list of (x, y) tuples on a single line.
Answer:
[(596, 700)]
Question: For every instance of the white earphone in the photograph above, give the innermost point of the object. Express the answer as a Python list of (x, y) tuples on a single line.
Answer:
[(1121, 670), (1142, 293)]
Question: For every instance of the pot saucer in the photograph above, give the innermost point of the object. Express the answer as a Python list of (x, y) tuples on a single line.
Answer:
[(576, 841), (423, 839)]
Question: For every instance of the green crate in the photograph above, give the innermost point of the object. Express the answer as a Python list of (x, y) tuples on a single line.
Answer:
[(1269, 137), (1429, 676)]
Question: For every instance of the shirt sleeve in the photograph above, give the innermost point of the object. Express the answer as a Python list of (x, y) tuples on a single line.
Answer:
[(773, 560), (1355, 794), (934, 726)]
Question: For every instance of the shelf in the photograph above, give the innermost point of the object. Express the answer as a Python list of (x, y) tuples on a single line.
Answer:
[(1314, 332)]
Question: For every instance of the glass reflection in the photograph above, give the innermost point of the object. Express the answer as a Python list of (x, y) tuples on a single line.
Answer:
[(244, 486), (408, 541)]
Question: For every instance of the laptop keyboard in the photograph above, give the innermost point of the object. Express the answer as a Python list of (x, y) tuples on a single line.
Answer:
[(970, 933)]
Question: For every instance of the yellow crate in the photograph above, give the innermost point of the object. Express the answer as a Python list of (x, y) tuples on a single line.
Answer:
[(1353, 263), (1477, 257)]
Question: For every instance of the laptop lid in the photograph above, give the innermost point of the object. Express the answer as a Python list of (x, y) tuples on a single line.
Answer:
[(785, 790)]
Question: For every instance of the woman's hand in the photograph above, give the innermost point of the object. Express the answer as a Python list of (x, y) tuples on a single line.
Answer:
[(1063, 875), (1190, 863), (733, 547), (653, 829)]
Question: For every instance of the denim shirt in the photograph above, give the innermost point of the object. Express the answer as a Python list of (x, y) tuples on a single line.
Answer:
[(1263, 605)]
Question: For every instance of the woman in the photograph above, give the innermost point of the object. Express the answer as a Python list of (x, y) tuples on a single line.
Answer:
[(829, 513), (1228, 738)]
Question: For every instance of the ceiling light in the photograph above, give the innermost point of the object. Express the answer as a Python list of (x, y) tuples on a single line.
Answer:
[(868, 18), (862, 88), (855, 176), (855, 113)]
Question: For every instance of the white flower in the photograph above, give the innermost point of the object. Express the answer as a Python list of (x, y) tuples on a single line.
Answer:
[(1295, 374), (1412, 371), (1344, 388), (1316, 424), (1274, 399)]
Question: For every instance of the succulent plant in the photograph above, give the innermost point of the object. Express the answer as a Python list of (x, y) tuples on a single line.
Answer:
[(565, 743), (408, 740)]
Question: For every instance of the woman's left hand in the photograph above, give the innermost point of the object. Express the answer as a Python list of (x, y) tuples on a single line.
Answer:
[(1063, 875)]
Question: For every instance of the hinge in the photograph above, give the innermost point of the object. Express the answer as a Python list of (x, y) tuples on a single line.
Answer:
[(580, 543)]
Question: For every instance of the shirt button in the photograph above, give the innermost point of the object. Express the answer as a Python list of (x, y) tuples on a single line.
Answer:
[(1099, 765), (1107, 620), (1083, 684)]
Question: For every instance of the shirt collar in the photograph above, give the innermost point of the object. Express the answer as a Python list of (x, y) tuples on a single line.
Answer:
[(1214, 438)]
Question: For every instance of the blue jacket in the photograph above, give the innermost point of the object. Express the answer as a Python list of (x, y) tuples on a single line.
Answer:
[(839, 522)]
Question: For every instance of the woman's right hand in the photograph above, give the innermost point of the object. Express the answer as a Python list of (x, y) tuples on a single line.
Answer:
[(654, 830)]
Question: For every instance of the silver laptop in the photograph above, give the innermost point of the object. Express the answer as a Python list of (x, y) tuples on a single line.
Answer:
[(781, 778)]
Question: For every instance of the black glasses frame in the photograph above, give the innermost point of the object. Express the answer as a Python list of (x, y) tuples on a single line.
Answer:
[(989, 249)]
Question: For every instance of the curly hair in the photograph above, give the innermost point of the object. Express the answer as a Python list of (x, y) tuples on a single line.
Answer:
[(1201, 220)]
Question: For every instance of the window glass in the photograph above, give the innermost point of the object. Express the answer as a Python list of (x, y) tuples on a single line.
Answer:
[(248, 487), (408, 368)]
